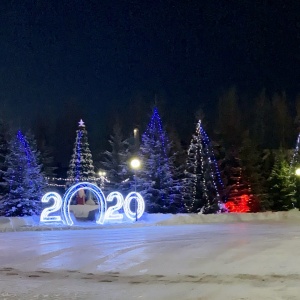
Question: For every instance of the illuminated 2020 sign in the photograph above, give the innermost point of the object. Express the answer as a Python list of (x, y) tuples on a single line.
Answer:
[(104, 213)]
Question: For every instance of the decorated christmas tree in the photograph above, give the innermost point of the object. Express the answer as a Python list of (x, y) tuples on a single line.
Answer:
[(81, 167), (25, 179), (155, 179), (202, 178)]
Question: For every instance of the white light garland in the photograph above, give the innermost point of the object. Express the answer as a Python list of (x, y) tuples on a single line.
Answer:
[(73, 190), (55, 207), (103, 213), (112, 212), (140, 206)]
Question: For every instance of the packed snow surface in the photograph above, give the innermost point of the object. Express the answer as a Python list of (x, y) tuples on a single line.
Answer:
[(231, 256)]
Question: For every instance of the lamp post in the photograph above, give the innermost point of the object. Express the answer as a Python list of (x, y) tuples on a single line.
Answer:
[(135, 164), (102, 175)]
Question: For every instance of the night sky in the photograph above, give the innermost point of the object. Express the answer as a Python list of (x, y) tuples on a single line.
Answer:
[(97, 56)]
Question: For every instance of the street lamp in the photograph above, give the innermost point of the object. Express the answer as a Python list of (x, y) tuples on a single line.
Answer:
[(135, 164), (102, 175)]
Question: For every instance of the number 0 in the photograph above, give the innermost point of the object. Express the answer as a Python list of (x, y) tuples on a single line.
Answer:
[(140, 206)]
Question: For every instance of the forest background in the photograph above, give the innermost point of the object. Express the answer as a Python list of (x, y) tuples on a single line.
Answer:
[(252, 142)]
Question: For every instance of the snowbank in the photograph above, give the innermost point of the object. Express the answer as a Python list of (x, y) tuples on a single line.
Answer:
[(33, 224), (292, 215)]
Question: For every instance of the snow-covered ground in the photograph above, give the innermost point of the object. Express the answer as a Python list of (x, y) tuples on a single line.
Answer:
[(231, 256)]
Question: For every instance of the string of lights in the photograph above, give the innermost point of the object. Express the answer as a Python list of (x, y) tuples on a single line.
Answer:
[(51, 180), (200, 148), (154, 126), (73, 179), (207, 141), (295, 157), (78, 155)]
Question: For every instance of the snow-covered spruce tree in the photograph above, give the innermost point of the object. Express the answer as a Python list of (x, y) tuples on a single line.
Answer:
[(25, 179), (282, 187), (81, 167), (115, 162), (155, 179), (4, 139), (202, 177), (44, 155)]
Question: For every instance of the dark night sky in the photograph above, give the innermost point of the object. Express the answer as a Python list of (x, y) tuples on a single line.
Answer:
[(102, 53)]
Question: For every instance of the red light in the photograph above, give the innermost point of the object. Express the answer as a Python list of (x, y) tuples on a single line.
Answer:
[(238, 204)]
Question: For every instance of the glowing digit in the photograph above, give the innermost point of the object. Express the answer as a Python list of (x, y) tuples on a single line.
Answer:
[(132, 215), (103, 213), (112, 212), (53, 208), (73, 190)]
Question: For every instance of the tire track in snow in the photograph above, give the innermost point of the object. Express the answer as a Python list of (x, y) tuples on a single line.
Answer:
[(117, 277)]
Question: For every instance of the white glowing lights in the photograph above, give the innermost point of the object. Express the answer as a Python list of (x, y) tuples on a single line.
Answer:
[(112, 212), (139, 210), (73, 190), (52, 209), (104, 213), (135, 163)]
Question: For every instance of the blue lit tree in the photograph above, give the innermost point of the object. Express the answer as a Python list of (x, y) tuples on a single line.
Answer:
[(156, 177), (81, 167), (25, 179), (4, 138), (202, 179)]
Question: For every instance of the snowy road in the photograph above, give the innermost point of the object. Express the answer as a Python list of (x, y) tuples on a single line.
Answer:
[(214, 261)]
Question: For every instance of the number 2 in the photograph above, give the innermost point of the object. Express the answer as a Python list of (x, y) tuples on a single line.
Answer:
[(112, 212), (53, 208)]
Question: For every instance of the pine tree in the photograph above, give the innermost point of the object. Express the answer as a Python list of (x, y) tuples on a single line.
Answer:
[(155, 180), (282, 121), (115, 162), (81, 167), (230, 121), (282, 188), (253, 162), (4, 139), (200, 191), (25, 179), (239, 197), (44, 154)]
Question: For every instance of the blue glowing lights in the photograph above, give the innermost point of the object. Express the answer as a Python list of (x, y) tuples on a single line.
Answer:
[(103, 214), (73, 190)]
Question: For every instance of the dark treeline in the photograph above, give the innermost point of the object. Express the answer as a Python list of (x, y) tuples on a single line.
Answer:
[(251, 141), (270, 121)]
